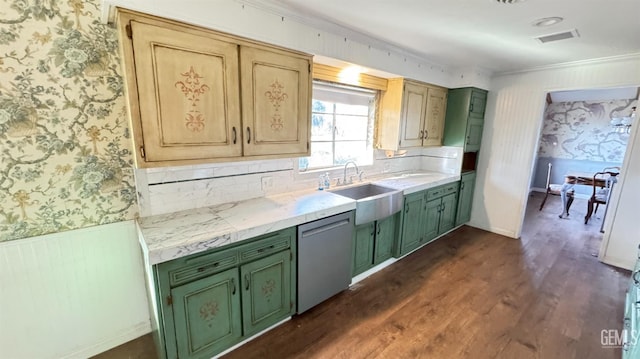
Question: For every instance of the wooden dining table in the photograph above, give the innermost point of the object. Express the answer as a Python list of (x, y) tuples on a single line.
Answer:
[(587, 179)]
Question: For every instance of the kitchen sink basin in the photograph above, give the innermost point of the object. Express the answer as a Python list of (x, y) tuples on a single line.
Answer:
[(373, 202)]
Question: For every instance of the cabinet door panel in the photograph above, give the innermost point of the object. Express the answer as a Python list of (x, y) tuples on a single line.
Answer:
[(412, 229), (363, 238), (447, 213), (266, 297), (276, 107), (207, 315), (478, 103), (474, 134), (434, 120), (385, 239), (431, 219), (465, 198), (413, 112), (184, 81)]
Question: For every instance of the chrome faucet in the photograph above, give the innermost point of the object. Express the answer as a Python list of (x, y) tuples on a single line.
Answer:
[(344, 177)]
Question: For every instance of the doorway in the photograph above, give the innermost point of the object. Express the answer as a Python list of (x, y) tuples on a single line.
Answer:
[(583, 131)]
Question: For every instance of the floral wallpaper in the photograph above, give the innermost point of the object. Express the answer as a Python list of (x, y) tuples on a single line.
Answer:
[(66, 158), (581, 131)]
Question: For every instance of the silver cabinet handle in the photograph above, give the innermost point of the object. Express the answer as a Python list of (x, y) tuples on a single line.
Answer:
[(426, 134), (233, 286), (635, 279), (248, 135), (421, 134), (235, 135), (246, 279)]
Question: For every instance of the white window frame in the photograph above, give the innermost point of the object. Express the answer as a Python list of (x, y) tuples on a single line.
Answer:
[(332, 92)]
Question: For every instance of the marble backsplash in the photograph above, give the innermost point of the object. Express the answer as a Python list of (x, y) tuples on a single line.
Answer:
[(171, 189)]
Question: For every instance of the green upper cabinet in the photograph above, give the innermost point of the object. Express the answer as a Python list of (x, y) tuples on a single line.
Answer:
[(478, 102), (464, 118), (207, 315), (474, 134), (465, 198), (266, 297)]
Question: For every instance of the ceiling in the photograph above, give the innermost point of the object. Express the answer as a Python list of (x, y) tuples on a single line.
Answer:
[(487, 34)]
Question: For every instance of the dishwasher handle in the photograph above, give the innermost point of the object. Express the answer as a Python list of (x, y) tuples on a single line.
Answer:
[(326, 227)]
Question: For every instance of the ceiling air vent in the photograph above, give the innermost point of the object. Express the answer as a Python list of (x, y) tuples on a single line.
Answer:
[(558, 36), (509, 1)]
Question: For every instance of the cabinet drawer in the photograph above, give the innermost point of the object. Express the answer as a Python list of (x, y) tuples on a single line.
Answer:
[(196, 267), (441, 191), (266, 245)]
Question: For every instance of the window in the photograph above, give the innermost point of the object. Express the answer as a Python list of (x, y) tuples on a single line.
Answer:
[(341, 126)]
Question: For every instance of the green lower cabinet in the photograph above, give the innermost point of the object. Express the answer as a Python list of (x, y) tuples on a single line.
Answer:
[(448, 213), (373, 243), (412, 222), (210, 301), (427, 215), (363, 242), (440, 216), (207, 315), (465, 197), (266, 297), (432, 219), (386, 234)]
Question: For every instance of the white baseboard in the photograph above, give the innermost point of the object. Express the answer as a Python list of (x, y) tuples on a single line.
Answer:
[(617, 262), (501, 231), (134, 332)]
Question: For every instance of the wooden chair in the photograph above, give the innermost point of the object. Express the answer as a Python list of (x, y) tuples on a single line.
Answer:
[(554, 189), (602, 184)]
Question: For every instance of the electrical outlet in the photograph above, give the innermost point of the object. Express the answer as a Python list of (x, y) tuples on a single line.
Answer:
[(267, 183)]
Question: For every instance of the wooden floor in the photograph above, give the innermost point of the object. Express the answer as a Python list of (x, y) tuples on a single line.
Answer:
[(471, 294)]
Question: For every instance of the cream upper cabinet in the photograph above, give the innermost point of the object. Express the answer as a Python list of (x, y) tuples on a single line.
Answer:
[(414, 102), (185, 110), (411, 115), (434, 117), (196, 95), (275, 90)]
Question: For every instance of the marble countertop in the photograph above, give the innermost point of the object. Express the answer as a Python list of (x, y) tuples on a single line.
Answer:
[(174, 235)]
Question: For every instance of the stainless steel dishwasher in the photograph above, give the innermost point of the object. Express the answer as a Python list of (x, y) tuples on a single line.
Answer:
[(324, 259)]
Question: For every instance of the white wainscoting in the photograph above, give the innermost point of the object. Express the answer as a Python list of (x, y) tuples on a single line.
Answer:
[(72, 294)]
